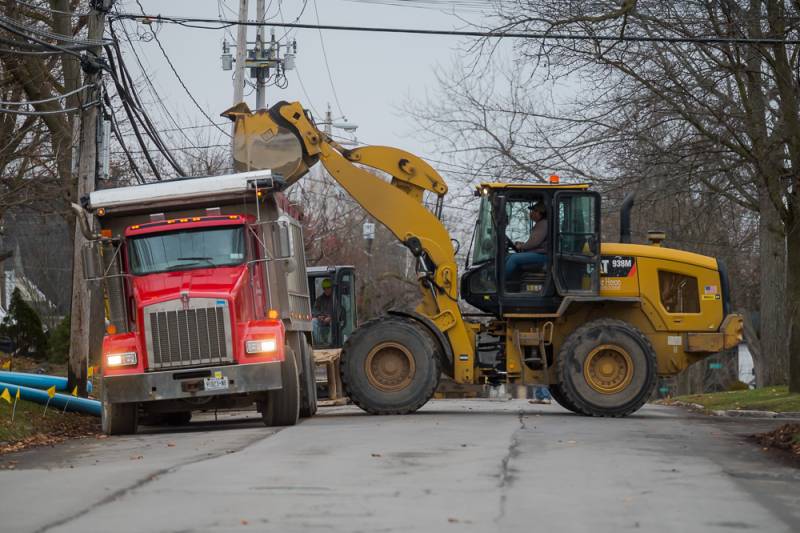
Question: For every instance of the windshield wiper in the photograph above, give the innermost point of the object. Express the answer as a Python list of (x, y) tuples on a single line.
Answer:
[(206, 259)]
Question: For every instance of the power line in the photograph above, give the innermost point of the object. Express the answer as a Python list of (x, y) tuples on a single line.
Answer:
[(193, 147), (327, 65), (50, 35), (39, 113), (50, 9), (152, 88), (184, 128), (191, 22), (51, 99), (12, 29), (477, 6), (180, 80)]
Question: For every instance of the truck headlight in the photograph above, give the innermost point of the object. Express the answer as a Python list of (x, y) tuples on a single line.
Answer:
[(121, 359), (265, 345)]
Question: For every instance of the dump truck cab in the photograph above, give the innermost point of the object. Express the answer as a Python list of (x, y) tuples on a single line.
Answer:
[(207, 301)]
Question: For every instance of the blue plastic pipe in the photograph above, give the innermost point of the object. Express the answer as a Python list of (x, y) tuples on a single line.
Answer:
[(59, 401), (37, 381)]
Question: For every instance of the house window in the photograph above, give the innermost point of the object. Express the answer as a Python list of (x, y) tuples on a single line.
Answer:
[(679, 293)]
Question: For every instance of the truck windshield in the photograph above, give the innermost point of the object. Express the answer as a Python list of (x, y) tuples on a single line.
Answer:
[(185, 250)]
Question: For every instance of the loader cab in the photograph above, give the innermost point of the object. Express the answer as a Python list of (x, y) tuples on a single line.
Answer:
[(557, 259), (333, 305)]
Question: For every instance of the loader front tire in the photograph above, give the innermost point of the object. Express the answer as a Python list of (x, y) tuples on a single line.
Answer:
[(308, 394), (282, 406), (558, 395), (390, 366), (607, 368)]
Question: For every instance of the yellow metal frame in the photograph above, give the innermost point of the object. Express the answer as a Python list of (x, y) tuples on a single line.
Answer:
[(405, 215), (678, 339)]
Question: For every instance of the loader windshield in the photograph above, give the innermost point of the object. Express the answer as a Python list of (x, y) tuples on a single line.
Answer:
[(186, 250)]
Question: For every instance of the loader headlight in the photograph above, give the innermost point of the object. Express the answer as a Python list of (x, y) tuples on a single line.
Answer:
[(121, 359), (265, 345)]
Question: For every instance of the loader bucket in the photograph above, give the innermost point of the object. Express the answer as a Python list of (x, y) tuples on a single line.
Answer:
[(260, 142)]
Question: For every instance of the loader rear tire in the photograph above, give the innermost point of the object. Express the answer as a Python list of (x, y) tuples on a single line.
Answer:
[(606, 368), (308, 395), (390, 366), (120, 418), (282, 406)]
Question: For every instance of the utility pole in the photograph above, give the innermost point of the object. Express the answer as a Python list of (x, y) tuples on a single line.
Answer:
[(261, 78), (241, 54), (264, 55), (84, 298)]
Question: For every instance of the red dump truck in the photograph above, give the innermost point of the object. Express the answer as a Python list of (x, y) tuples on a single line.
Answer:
[(207, 302)]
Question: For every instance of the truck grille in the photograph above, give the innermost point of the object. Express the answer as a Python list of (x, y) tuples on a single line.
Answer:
[(199, 334)]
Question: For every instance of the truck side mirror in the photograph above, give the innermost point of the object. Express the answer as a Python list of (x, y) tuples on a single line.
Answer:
[(90, 259), (282, 237)]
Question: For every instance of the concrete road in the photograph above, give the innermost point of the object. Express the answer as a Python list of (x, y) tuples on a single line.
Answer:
[(461, 466)]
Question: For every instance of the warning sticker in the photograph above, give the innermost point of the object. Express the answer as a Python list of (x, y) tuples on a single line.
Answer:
[(711, 297), (674, 340), (710, 289), (618, 266)]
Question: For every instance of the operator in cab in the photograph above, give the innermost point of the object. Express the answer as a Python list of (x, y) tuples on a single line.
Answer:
[(321, 313), (534, 250)]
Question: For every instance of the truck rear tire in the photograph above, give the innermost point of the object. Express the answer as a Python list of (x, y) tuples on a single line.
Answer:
[(308, 395), (390, 366), (606, 367), (120, 418), (178, 419), (282, 406)]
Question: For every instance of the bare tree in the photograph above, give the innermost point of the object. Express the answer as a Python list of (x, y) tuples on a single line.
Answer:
[(715, 118)]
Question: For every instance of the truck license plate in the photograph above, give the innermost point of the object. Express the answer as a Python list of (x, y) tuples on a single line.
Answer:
[(215, 383)]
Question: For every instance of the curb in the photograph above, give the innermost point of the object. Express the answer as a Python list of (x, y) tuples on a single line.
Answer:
[(738, 413)]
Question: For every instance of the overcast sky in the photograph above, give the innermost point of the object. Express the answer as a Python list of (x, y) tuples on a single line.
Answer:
[(372, 73)]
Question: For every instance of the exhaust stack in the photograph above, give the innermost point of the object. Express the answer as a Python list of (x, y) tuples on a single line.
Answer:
[(625, 218)]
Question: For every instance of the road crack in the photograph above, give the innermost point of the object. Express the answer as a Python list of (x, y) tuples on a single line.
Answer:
[(120, 493), (506, 476)]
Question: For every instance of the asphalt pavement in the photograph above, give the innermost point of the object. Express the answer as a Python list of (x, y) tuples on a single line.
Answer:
[(457, 465)]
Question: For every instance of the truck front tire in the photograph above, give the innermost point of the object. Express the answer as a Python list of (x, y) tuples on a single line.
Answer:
[(120, 418), (282, 406), (390, 366)]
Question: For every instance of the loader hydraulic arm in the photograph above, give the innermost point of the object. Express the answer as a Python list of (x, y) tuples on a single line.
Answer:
[(398, 204)]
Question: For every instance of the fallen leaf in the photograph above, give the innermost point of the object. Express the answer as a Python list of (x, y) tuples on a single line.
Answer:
[(170, 445), (244, 522), (376, 455), (136, 457)]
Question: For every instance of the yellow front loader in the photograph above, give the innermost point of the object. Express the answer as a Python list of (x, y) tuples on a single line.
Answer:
[(595, 322)]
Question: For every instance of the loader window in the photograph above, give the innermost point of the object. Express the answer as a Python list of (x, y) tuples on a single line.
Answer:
[(347, 318), (679, 293), (484, 246), (186, 250)]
